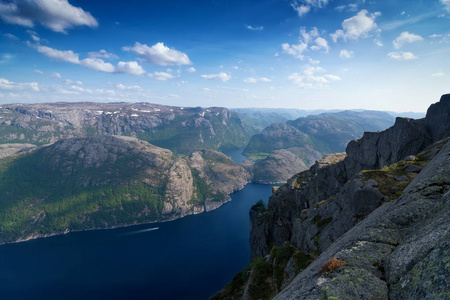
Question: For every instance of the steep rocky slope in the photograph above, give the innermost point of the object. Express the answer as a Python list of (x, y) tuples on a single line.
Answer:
[(311, 137), (180, 129), (108, 181), (370, 223)]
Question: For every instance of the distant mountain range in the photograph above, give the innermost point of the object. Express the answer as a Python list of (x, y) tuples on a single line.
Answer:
[(309, 138), (180, 129)]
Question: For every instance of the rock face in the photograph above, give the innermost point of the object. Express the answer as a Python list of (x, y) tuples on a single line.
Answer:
[(164, 126), (370, 222), (108, 181), (277, 167), (11, 149)]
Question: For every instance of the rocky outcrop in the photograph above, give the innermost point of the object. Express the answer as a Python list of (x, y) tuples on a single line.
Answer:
[(164, 126), (372, 219), (11, 149), (400, 251), (108, 181), (277, 167)]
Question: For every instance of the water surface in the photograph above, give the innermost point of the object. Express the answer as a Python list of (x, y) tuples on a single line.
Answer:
[(189, 258)]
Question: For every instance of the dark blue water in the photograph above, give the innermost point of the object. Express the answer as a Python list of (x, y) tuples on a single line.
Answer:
[(236, 155), (190, 258)]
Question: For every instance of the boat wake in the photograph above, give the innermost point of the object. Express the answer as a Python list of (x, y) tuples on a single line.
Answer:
[(141, 231)]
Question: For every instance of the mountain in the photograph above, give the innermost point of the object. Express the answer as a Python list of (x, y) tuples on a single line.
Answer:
[(180, 129), (371, 223), (108, 181), (260, 118), (311, 137)]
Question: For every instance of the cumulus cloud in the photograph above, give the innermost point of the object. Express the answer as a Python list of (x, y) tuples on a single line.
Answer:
[(59, 55), (191, 70), (406, 38), (311, 77), (255, 28), (345, 54), (159, 54), (378, 43), (356, 26), (161, 76), (401, 55), (308, 40), (102, 54), (255, 80), (302, 7), (129, 87), (129, 67), (220, 76), (5, 84), (57, 15), (97, 64)]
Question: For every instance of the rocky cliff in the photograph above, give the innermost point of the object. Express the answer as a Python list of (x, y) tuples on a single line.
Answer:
[(108, 181), (370, 223), (180, 129)]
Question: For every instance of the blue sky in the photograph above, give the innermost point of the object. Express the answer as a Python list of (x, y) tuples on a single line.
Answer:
[(306, 54)]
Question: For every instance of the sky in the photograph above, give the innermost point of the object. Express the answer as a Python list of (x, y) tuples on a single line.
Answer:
[(304, 54)]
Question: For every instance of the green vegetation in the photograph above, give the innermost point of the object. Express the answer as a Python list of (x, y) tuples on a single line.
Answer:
[(36, 200), (321, 223), (266, 276), (260, 206)]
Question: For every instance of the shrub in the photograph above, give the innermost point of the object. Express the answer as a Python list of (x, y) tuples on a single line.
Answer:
[(332, 265)]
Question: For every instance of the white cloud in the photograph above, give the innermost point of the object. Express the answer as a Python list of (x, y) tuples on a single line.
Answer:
[(161, 76), (438, 74), (191, 70), (345, 54), (57, 15), (59, 55), (221, 76), (256, 28), (446, 4), (435, 35), (302, 7), (307, 40), (102, 54), (11, 36), (57, 75), (129, 67), (356, 26), (97, 64), (255, 80), (33, 35), (129, 87), (406, 38), (310, 79), (5, 84), (39, 72), (349, 7), (401, 55), (159, 54), (321, 43), (378, 43)]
